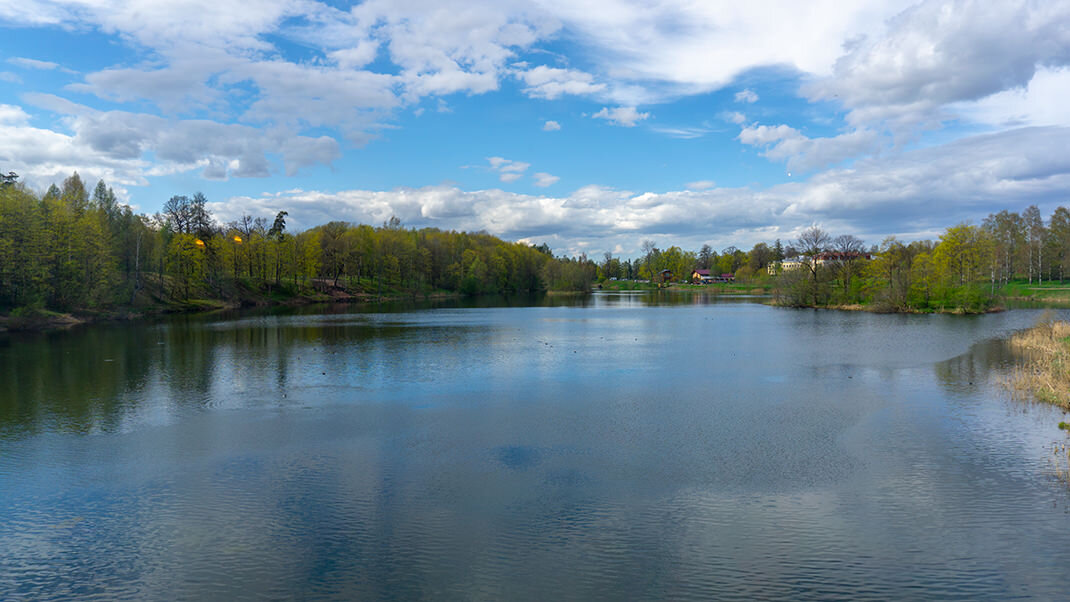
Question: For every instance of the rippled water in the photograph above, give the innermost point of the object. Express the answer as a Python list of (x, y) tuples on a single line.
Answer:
[(622, 447)]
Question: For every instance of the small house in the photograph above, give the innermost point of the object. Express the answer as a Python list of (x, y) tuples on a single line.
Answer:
[(665, 276), (701, 277)]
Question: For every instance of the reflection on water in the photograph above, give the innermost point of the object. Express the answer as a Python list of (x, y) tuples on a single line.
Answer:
[(611, 446)]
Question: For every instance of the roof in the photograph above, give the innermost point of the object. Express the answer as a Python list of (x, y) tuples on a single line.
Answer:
[(702, 272)]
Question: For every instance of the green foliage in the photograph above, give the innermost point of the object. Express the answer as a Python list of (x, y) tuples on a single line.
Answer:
[(70, 250)]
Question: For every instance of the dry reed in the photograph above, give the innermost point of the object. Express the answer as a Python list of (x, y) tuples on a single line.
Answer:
[(1044, 367)]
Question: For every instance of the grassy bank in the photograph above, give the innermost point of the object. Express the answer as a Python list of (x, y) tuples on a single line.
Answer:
[(1048, 293), (1043, 370)]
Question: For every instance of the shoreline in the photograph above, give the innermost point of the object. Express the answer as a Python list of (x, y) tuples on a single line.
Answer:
[(49, 321), (958, 311)]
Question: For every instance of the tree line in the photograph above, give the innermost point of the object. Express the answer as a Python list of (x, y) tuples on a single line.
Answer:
[(963, 270), (69, 249)]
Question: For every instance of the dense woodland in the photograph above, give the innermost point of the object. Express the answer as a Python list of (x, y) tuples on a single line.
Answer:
[(70, 250)]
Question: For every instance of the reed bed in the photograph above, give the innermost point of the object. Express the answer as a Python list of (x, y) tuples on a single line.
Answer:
[(1043, 370)]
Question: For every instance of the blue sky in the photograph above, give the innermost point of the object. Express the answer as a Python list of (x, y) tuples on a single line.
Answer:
[(590, 125)]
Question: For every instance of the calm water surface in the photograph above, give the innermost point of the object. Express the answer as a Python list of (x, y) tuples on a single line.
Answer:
[(617, 447)]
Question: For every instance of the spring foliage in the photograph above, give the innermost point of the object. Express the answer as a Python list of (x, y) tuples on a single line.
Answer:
[(68, 250)]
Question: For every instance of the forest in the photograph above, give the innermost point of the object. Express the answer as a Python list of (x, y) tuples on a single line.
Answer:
[(71, 250)]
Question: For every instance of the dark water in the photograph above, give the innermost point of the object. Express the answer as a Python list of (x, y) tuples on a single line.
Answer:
[(617, 447)]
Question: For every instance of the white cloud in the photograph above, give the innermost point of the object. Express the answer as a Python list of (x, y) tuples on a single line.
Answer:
[(701, 46), (550, 82), (802, 153), (684, 133), (733, 117), (117, 145), (13, 115), (701, 185), (747, 96), (895, 67), (1042, 102), (7, 76), (939, 52), (624, 116), (508, 170), (551, 126), (919, 193), (543, 179), (28, 63)]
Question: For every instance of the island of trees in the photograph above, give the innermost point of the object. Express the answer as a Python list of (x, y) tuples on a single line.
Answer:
[(71, 251)]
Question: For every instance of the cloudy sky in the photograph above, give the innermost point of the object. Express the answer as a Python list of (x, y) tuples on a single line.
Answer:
[(588, 124)]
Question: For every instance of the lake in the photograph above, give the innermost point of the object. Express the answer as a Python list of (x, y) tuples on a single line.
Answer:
[(619, 446)]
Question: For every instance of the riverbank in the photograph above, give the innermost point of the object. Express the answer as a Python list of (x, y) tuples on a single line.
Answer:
[(154, 300), (880, 309), (748, 288), (1043, 369)]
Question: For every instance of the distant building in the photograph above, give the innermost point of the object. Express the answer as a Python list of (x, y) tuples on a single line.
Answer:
[(787, 265), (665, 276), (794, 263), (701, 277)]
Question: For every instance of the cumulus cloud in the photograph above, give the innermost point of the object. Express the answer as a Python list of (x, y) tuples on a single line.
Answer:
[(623, 116), (508, 170), (916, 194), (11, 114), (543, 179), (209, 56), (117, 145), (701, 185), (939, 52), (1041, 102), (893, 68), (733, 117), (747, 96), (802, 153), (551, 126)]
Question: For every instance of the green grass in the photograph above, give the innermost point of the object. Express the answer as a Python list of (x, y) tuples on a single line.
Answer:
[(1058, 292)]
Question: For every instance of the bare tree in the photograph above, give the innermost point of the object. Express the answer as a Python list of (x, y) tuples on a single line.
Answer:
[(811, 243), (849, 250)]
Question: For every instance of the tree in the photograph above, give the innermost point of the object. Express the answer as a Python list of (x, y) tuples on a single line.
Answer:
[(813, 242), (705, 255), (759, 257), (1006, 230), (9, 179), (1059, 229), (104, 199), (848, 261), (1035, 235), (888, 276), (960, 259), (778, 251), (74, 194)]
